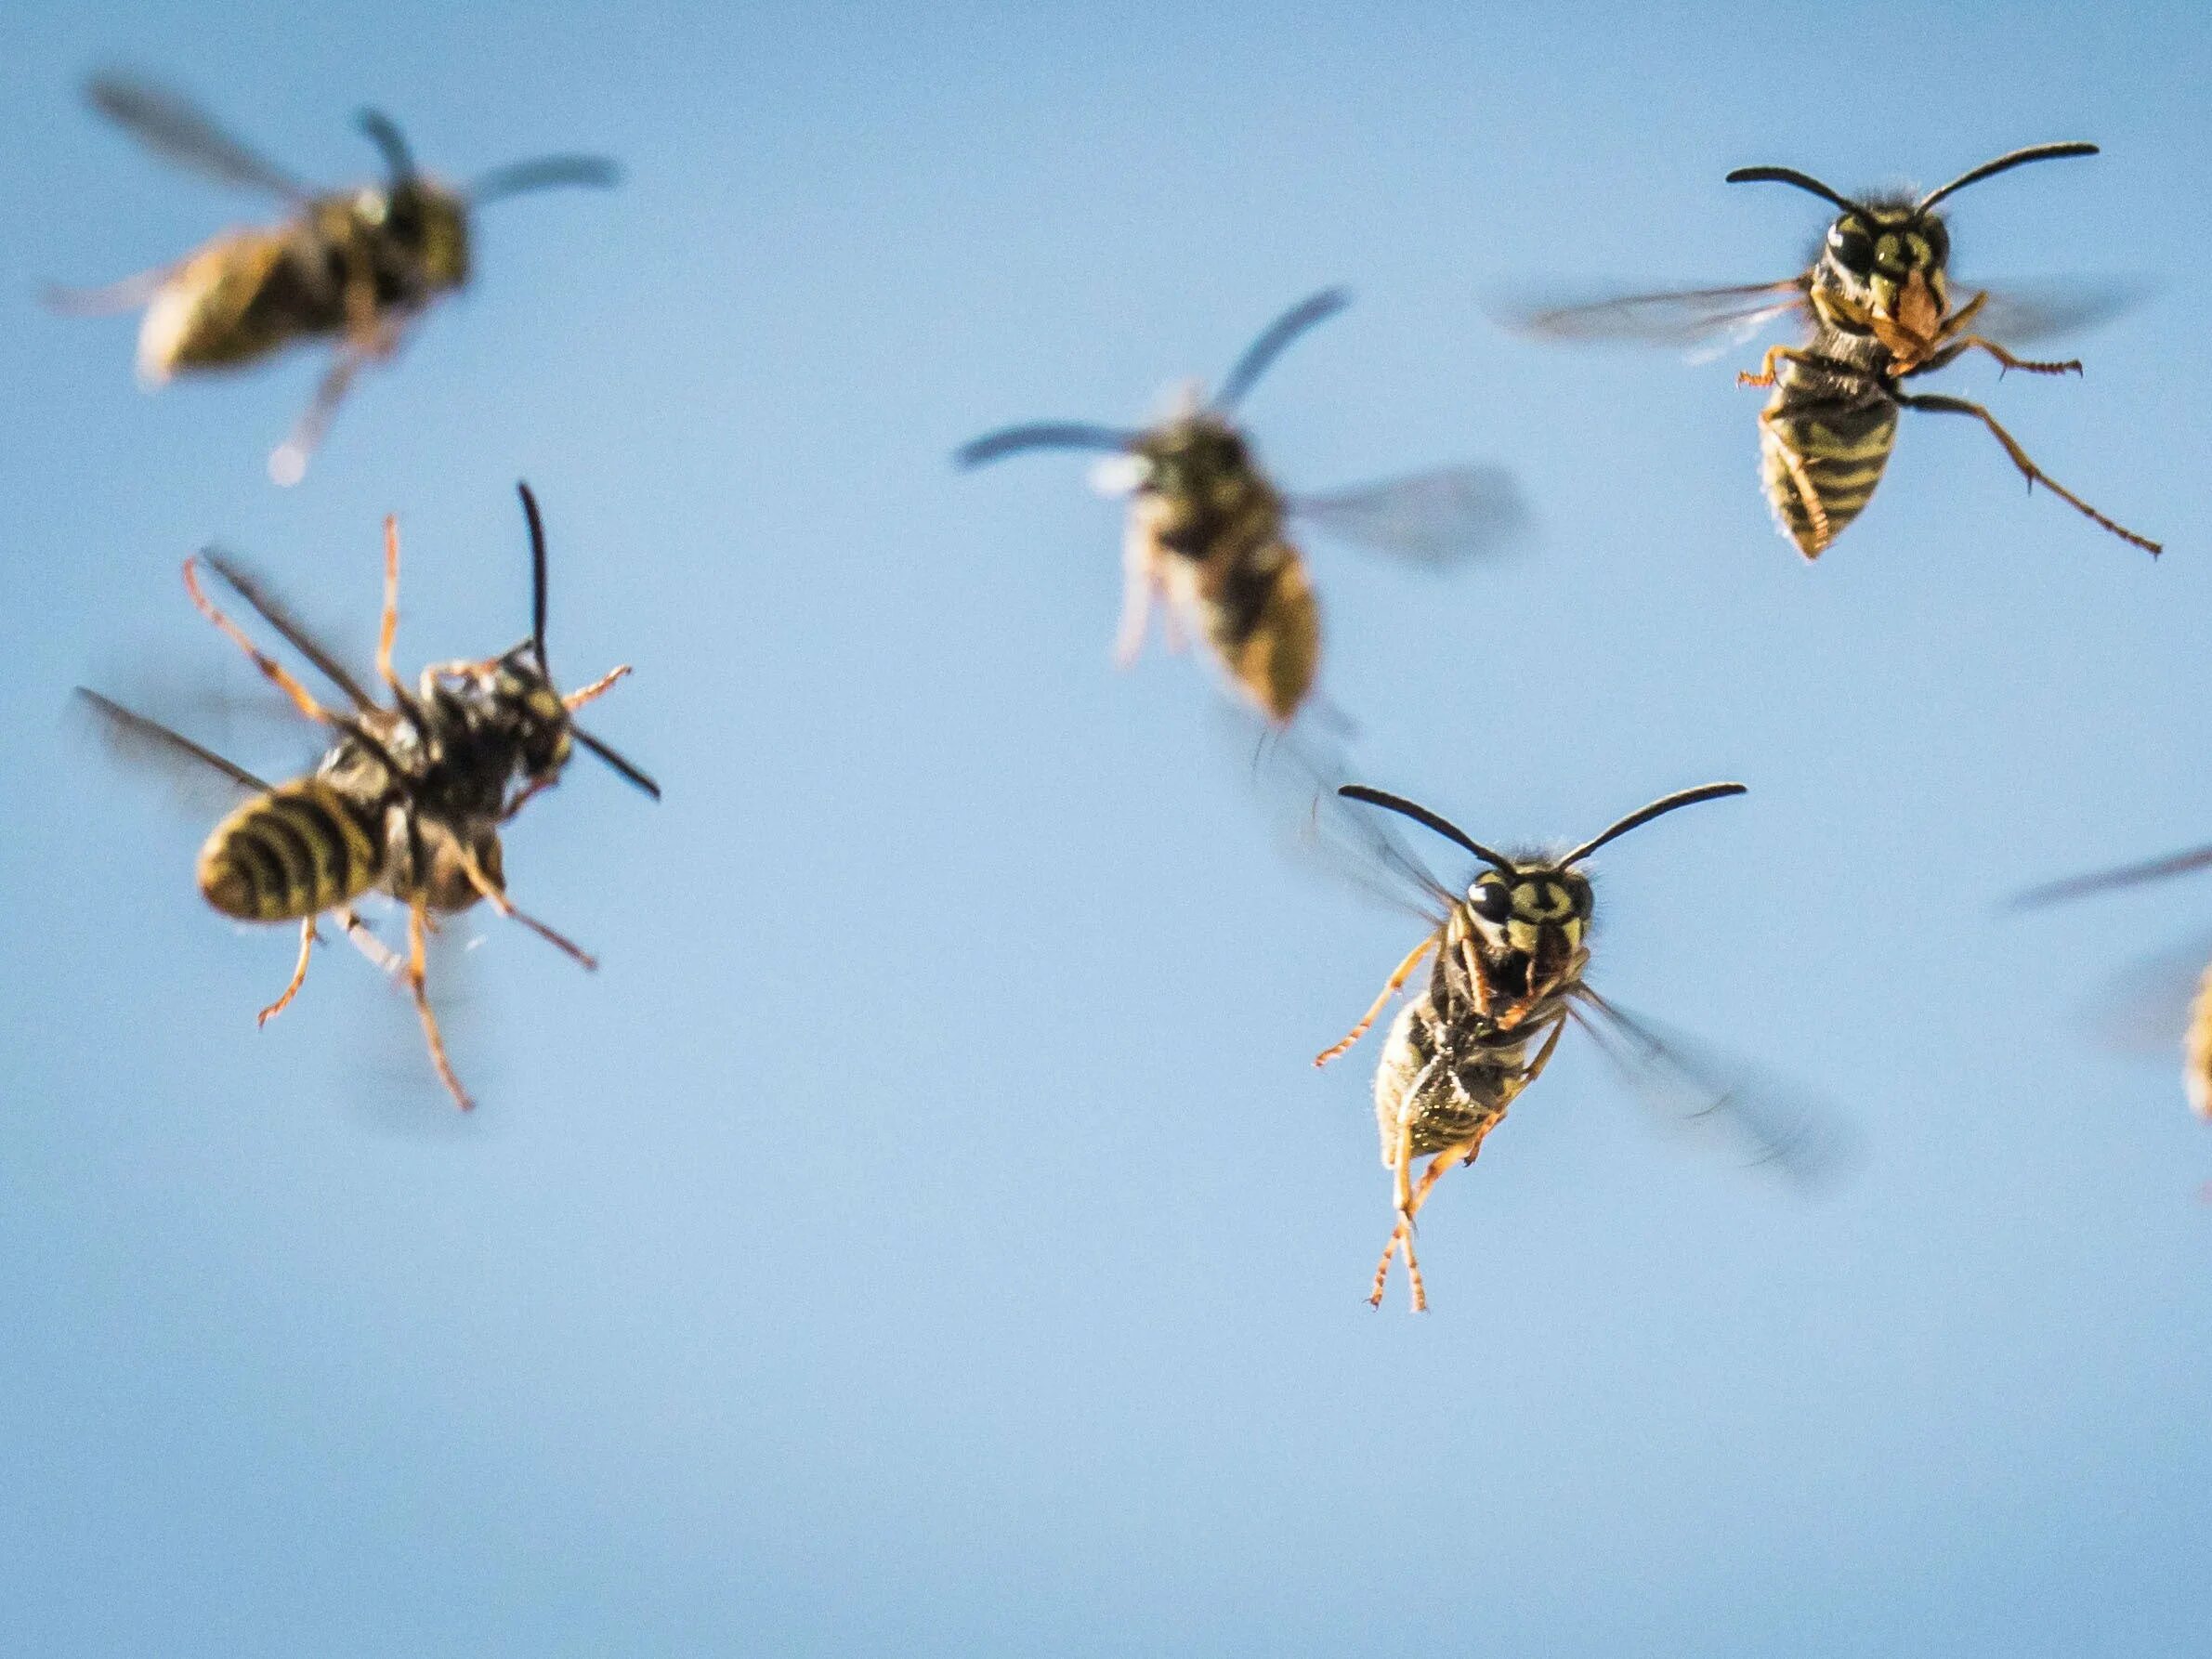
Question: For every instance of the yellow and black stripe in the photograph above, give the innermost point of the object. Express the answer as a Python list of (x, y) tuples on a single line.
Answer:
[(1262, 617), (301, 849), (1840, 449)]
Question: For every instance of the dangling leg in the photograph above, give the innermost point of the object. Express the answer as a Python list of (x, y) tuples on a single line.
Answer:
[(288, 461), (1968, 342), (418, 921), (1402, 1232), (1396, 984), (1136, 597), (2028, 469), (302, 699), (484, 884), (299, 974), (387, 622), (1775, 354), (596, 690)]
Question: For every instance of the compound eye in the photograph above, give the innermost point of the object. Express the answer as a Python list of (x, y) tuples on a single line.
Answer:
[(1939, 242), (1491, 900), (1852, 247)]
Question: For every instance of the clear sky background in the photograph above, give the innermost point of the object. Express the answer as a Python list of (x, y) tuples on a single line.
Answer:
[(926, 1235)]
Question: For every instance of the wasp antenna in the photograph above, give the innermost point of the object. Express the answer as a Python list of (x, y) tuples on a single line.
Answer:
[(1040, 435), (542, 173), (1804, 181), (1666, 803), (2005, 164), (608, 755), (1422, 816), (398, 161), (1259, 357), (537, 575)]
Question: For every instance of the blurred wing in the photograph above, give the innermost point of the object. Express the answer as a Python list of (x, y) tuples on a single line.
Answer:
[(545, 172), (1296, 774), (2146, 1007), (389, 1081), (204, 780), (2127, 875), (178, 130), (2022, 313), (1041, 435), (1433, 518), (1715, 316), (249, 585), (1684, 1081)]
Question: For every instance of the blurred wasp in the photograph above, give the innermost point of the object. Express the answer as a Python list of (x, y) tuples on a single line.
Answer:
[(2196, 1038), (1877, 301), (1206, 528), (356, 265), (410, 799), (1507, 979)]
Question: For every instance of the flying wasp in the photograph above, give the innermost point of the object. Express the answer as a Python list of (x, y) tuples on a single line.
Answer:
[(356, 266), (410, 798), (1507, 978), (1208, 530), (2196, 1038), (1876, 302)]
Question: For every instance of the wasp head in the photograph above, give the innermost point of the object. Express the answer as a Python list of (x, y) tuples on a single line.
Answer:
[(1531, 922), (1890, 262)]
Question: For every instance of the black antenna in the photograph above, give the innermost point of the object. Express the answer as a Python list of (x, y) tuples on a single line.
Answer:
[(1666, 803), (2005, 164), (537, 575), (398, 161), (1259, 357), (1804, 181), (617, 761), (1422, 816), (1040, 435), (545, 172)]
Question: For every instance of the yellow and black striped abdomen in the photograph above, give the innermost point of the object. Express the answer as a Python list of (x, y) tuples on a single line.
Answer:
[(1260, 615), (293, 853), (1836, 450)]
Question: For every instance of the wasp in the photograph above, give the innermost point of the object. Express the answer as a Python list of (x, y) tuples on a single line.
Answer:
[(356, 266), (2196, 1038), (1510, 954), (1876, 302), (411, 797), (1208, 530)]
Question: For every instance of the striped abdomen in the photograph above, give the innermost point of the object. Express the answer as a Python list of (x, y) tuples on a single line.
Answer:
[(1260, 614), (1840, 450), (1450, 1090), (297, 851)]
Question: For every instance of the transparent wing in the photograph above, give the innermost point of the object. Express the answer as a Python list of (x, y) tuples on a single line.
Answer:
[(1296, 775), (255, 589), (1274, 339), (2146, 1007), (1682, 1080), (545, 172), (1682, 319), (175, 128), (2025, 312), (202, 780), (387, 1081), (2126, 875), (1433, 518)]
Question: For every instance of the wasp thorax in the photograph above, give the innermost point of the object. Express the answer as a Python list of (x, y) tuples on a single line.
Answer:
[(1195, 456), (428, 222)]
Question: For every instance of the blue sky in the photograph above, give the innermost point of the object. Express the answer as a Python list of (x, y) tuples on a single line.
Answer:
[(926, 1234)]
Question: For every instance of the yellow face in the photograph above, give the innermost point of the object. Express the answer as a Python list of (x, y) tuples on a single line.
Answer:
[(428, 222), (1890, 262), (1539, 916)]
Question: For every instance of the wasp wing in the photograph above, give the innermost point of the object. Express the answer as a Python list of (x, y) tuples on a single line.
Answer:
[(1686, 1081), (255, 589), (1297, 774), (2023, 313), (1431, 519), (204, 780), (1681, 318), (178, 130)]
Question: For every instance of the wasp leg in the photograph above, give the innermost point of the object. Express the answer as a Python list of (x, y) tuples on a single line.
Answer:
[(2027, 365), (1816, 515), (299, 974), (1775, 354), (1396, 984), (288, 461), (302, 699), (596, 690), (387, 621), (2029, 470), (1137, 588), (492, 890), (1401, 1233), (418, 921)]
